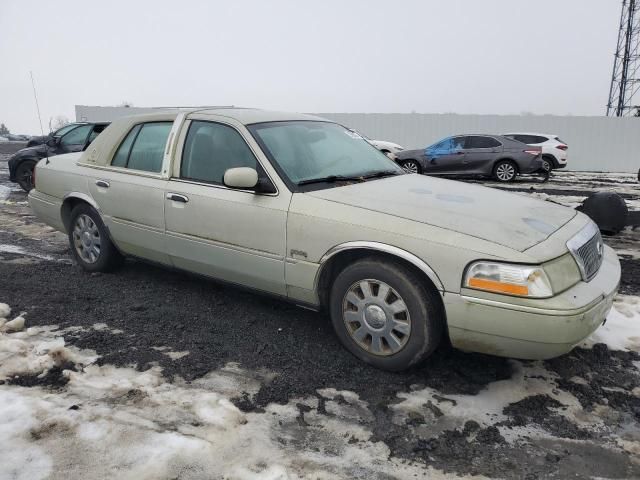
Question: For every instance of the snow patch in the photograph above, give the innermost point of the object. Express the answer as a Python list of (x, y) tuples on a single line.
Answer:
[(21, 251), (622, 329)]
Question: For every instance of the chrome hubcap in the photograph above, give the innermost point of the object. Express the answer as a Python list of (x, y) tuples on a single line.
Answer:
[(86, 239), (506, 171), (546, 165), (376, 317), (410, 167)]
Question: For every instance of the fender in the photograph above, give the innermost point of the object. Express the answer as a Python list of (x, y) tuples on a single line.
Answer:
[(84, 197), (381, 247)]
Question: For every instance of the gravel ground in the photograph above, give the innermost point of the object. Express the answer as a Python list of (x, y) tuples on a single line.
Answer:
[(577, 416)]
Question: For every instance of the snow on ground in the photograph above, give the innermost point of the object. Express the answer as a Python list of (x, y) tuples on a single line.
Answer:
[(132, 424), (622, 330)]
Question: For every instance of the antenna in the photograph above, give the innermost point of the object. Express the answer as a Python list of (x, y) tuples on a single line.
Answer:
[(37, 106)]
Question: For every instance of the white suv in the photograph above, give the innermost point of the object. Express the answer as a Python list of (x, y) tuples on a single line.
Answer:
[(554, 150)]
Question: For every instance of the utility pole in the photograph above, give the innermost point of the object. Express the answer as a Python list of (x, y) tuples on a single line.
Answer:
[(625, 80)]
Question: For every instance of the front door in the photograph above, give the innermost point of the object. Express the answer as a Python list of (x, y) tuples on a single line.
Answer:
[(446, 157), (234, 235)]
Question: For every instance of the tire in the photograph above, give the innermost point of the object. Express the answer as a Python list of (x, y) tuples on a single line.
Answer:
[(505, 171), (361, 314), (547, 164), (24, 174), (90, 243), (411, 166)]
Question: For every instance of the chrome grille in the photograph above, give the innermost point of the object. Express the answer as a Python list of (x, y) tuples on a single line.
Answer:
[(587, 249)]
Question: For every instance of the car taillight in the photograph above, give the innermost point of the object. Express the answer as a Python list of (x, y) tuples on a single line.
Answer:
[(562, 147), (532, 152)]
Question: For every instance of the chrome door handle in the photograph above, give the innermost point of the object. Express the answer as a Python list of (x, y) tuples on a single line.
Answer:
[(102, 183), (176, 197)]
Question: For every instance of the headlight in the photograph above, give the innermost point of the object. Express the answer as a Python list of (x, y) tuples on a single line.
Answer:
[(520, 280)]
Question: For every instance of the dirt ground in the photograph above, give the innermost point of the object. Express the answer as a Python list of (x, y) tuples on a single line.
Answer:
[(320, 412)]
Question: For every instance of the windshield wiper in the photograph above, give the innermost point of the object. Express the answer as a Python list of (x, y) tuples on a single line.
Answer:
[(330, 179), (345, 178)]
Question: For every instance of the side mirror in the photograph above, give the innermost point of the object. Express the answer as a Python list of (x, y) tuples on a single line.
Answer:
[(53, 141), (242, 177)]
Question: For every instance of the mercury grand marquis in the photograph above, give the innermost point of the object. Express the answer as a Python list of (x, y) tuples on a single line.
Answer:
[(305, 209)]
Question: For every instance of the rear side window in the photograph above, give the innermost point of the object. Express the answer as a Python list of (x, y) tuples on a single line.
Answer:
[(539, 139), (482, 142), (77, 136), (143, 148), (211, 149)]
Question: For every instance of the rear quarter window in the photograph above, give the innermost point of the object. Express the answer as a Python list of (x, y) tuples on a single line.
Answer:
[(143, 147)]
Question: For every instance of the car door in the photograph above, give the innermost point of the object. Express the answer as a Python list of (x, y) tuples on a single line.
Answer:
[(130, 192), (445, 157), (74, 140), (480, 153), (235, 235)]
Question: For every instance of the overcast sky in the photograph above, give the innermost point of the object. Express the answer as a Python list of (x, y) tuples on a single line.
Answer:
[(463, 56)]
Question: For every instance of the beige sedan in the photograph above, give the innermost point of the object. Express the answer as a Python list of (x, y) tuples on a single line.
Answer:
[(305, 209)]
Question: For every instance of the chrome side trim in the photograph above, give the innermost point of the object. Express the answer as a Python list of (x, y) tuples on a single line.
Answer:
[(536, 310), (381, 247), (82, 196)]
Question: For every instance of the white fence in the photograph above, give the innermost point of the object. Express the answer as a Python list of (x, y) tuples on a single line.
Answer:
[(595, 143)]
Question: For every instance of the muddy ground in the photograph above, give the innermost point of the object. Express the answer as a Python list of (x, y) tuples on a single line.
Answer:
[(534, 437)]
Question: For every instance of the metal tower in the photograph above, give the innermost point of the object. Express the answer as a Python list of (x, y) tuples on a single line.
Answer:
[(625, 81)]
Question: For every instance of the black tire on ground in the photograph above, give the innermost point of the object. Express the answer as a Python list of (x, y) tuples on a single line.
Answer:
[(24, 174), (411, 166), (505, 171), (423, 313), (547, 164), (89, 241)]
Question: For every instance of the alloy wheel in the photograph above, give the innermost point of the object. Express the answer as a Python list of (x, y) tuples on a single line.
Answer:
[(410, 167), (376, 317), (86, 239), (505, 172)]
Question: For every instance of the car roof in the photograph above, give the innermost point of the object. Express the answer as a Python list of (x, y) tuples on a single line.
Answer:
[(248, 116), (532, 133)]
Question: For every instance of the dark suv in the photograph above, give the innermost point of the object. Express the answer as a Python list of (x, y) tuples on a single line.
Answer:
[(74, 137)]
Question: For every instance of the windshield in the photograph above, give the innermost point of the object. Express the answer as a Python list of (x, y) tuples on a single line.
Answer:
[(60, 132), (307, 150)]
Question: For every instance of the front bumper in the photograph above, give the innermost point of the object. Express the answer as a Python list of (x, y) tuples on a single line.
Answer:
[(544, 328)]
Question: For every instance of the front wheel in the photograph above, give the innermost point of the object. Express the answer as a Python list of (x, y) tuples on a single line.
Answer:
[(90, 243), (411, 166), (505, 171), (24, 174), (546, 165), (385, 315)]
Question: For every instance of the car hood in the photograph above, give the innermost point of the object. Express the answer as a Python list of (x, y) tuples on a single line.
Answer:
[(512, 220), (36, 151)]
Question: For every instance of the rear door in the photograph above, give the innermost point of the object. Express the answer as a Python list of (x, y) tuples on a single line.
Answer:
[(130, 193), (445, 157), (480, 153)]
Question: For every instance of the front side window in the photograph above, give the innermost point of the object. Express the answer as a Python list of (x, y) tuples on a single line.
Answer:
[(210, 149), (77, 136), (308, 150), (61, 131), (143, 148)]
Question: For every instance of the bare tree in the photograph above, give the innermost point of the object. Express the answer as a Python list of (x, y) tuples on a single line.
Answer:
[(58, 122), (4, 130)]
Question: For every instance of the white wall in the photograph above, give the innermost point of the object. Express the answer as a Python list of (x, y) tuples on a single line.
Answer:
[(595, 143)]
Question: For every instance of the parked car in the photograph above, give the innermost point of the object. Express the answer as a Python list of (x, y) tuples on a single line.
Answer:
[(307, 210), (486, 155), (4, 139), (17, 138), (386, 147), (554, 150), (74, 139)]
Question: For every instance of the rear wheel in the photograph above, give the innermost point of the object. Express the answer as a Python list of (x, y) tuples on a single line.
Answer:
[(385, 315), (411, 166), (547, 166), (505, 171), (90, 243), (24, 174)]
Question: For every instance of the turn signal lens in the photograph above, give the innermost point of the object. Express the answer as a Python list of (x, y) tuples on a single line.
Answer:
[(519, 280)]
